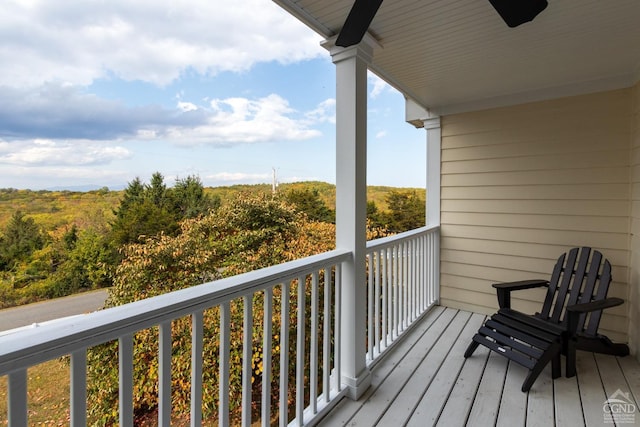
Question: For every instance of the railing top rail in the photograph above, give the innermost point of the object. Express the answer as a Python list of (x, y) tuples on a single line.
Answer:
[(390, 240), (65, 336)]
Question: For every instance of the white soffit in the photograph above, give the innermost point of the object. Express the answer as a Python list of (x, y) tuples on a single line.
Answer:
[(459, 55)]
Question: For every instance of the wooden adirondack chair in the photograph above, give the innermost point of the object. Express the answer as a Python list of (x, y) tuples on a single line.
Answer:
[(568, 321)]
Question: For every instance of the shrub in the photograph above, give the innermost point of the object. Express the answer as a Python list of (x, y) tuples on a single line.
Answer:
[(253, 232)]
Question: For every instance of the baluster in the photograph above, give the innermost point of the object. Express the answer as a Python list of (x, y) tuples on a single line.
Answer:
[(386, 307), (266, 357), (414, 262), (284, 354), (197, 327), (423, 276), (376, 309), (326, 336), (225, 343), (403, 287), (338, 328), (300, 351), (313, 377), (396, 291), (247, 359), (78, 388), (17, 397), (125, 360), (370, 314), (164, 374)]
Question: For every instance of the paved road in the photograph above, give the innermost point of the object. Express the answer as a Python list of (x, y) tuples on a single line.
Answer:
[(86, 302)]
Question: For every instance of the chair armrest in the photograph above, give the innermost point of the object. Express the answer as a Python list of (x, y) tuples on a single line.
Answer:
[(587, 307), (503, 290), (574, 312), (522, 284)]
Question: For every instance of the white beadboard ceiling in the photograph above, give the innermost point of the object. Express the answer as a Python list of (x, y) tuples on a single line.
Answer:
[(459, 55)]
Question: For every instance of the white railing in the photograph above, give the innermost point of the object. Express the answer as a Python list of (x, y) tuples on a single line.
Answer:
[(402, 284), (319, 275)]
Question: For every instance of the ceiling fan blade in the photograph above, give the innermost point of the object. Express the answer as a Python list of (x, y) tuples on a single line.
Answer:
[(516, 12), (357, 22)]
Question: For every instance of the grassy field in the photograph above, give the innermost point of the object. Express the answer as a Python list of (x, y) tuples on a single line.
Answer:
[(48, 394)]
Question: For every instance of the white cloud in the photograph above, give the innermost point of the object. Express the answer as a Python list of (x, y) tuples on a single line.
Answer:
[(239, 177), (187, 106), (230, 178), (40, 152), (55, 177), (148, 40), (324, 113), (377, 85), (381, 134), (59, 112), (244, 120)]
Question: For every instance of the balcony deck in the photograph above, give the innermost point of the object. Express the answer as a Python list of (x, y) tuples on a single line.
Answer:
[(425, 380)]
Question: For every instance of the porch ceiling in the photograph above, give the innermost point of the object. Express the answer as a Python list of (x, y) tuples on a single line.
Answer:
[(459, 55)]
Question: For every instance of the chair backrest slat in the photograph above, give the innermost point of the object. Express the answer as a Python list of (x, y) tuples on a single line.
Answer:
[(578, 280), (563, 287), (603, 288), (553, 286), (579, 284)]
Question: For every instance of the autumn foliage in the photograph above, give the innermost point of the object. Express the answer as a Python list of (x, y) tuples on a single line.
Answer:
[(254, 232)]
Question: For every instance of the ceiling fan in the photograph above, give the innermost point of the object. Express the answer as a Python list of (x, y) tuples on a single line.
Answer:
[(513, 12)]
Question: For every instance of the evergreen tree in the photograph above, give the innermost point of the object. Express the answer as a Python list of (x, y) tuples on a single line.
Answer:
[(20, 239), (407, 210), (309, 202), (374, 215), (190, 199), (156, 191)]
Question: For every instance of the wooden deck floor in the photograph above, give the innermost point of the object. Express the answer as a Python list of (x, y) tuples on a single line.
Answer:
[(426, 381)]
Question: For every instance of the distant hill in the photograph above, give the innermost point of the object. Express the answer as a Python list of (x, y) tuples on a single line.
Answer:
[(61, 208), (327, 192)]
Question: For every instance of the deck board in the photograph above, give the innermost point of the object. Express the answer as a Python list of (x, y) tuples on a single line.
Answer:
[(486, 403), (422, 378), (567, 404), (425, 380), (436, 396)]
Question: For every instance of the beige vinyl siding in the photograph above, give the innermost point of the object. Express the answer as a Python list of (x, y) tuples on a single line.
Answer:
[(521, 185), (634, 276)]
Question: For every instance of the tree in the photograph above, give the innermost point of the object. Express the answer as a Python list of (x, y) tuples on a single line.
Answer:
[(190, 199), (70, 238), (148, 210), (374, 215), (142, 219), (86, 265), (407, 210), (20, 239), (309, 202), (133, 194), (156, 191), (253, 232)]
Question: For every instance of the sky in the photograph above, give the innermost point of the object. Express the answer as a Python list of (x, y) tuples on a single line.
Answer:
[(96, 93)]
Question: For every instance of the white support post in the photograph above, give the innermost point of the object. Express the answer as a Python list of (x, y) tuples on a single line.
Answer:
[(434, 135), (351, 206), (434, 143)]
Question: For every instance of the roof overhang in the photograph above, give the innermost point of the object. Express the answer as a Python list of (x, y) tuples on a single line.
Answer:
[(451, 56)]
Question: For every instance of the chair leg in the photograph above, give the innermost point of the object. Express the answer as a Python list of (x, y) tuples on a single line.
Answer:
[(570, 370), (472, 347), (551, 354), (601, 344), (556, 370), (531, 378)]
